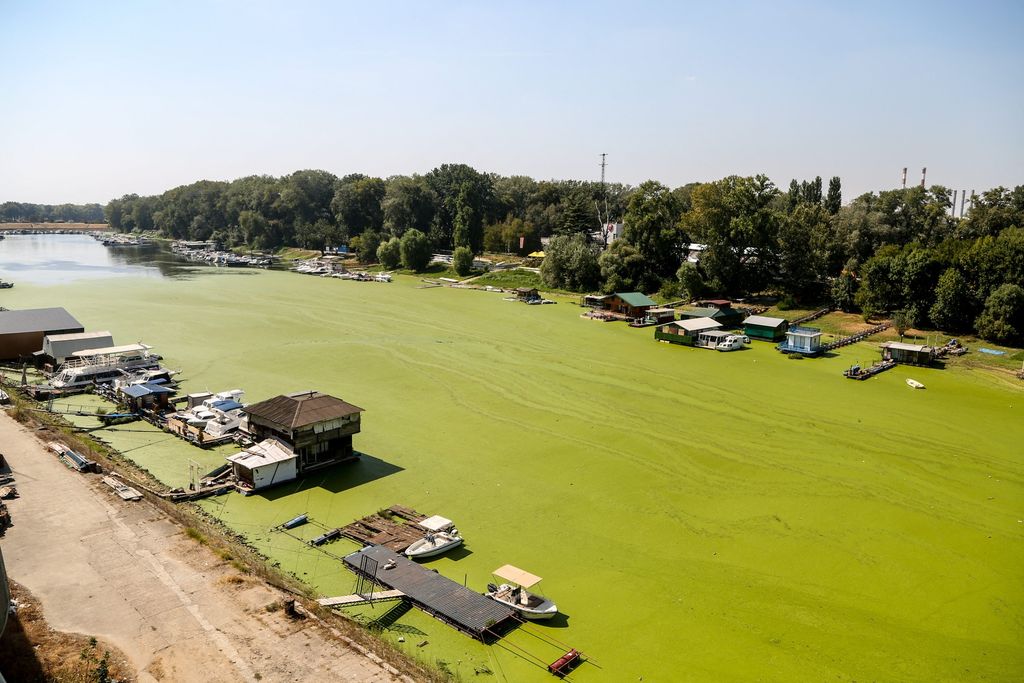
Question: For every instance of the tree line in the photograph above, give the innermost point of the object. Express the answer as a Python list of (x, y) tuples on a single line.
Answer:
[(20, 212), (892, 251)]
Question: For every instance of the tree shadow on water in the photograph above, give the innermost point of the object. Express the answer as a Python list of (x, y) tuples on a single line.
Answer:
[(337, 478)]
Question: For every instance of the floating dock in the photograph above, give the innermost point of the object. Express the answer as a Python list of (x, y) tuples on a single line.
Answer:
[(442, 598), (395, 528)]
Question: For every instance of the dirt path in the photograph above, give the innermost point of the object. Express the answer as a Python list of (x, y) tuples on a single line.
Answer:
[(124, 572)]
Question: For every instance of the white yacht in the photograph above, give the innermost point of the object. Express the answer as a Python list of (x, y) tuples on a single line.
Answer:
[(442, 536), (102, 366)]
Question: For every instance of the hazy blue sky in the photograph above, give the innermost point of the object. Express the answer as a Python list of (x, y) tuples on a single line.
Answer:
[(99, 99)]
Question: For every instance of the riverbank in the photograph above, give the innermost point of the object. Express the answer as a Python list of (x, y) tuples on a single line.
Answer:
[(55, 227), (179, 606)]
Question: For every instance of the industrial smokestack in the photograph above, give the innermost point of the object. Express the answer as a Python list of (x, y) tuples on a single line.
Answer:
[(924, 172), (904, 177), (963, 198), (954, 204)]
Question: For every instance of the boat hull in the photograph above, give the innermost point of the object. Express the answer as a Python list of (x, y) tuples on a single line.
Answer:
[(422, 549)]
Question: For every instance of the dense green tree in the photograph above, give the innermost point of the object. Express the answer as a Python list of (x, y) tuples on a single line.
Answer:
[(570, 263), (366, 245), (356, 204), (652, 227), (504, 237), (462, 260), (408, 203), (1002, 320), (992, 212), (416, 252), (903, 319), (736, 221), (691, 282), (812, 191), (802, 250), (844, 290), (458, 187), (623, 269), (955, 306), (389, 254), (834, 199), (577, 214)]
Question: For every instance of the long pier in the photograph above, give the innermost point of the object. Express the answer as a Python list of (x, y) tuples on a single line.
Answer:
[(442, 598)]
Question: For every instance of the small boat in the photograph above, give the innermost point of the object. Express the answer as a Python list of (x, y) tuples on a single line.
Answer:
[(442, 537), (4, 397), (514, 593), (914, 383)]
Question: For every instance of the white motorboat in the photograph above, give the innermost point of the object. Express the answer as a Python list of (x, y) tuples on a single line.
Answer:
[(514, 593), (442, 537), (914, 383), (102, 366)]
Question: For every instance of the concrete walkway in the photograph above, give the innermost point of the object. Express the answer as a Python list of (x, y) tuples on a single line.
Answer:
[(123, 571)]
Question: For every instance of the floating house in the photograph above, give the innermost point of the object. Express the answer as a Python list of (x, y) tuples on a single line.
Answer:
[(686, 332), (631, 304), (657, 316), (57, 348), (909, 354), (725, 314), (527, 293), (765, 328), (804, 340), (148, 396), (317, 427), (22, 332), (267, 463)]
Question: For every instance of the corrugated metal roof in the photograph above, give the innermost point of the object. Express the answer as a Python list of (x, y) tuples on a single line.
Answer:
[(110, 350), (266, 452), (302, 410), (452, 601), (636, 299), (764, 321), (905, 347), (76, 336), (37, 320), (697, 324)]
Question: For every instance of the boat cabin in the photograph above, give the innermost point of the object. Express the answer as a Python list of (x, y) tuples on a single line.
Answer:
[(630, 304), (710, 339), (657, 316), (317, 427), (909, 354), (803, 340), (765, 328), (685, 332)]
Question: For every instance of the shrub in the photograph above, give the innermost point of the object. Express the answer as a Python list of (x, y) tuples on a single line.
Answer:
[(389, 254), (462, 260), (415, 249)]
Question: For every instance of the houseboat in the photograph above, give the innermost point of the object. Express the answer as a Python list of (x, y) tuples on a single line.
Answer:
[(102, 366)]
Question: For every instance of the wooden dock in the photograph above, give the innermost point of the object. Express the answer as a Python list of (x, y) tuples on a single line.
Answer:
[(349, 600), (394, 528)]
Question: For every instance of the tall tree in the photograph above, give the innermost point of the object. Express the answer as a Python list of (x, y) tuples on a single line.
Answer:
[(652, 226), (834, 199)]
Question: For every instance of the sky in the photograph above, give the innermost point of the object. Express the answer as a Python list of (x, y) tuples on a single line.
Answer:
[(101, 99)]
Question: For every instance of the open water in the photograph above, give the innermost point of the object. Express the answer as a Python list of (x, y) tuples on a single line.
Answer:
[(61, 259)]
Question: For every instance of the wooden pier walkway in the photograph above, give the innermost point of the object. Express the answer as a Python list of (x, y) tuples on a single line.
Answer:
[(349, 600), (854, 338)]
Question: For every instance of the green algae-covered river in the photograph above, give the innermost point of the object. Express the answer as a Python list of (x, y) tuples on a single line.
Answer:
[(697, 516)]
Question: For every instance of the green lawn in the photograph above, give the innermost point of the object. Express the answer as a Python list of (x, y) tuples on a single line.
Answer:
[(698, 516)]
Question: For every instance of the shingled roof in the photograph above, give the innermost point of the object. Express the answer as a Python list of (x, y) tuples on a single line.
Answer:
[(295, 411)]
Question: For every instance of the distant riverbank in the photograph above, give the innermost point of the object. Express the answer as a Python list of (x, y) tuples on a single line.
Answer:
[(54, 227)]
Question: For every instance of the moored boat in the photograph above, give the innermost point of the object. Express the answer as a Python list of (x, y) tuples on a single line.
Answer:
[(914, 383), (514, 593), (442, 537)]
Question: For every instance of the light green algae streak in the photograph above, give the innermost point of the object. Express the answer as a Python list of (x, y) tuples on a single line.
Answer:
[(698, 516)]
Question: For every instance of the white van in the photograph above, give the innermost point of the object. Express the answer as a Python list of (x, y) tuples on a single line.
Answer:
[(731, 343)]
